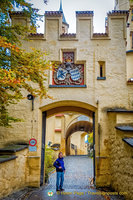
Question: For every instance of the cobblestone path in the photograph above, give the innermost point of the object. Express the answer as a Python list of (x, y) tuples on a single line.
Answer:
[(79, 171)]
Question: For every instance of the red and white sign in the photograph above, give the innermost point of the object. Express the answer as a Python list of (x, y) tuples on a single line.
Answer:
[(32, 142)]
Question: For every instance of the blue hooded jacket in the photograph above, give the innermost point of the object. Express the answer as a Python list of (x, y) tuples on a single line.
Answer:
[(59, 162)]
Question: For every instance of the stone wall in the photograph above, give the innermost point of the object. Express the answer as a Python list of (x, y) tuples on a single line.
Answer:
[(14, 174), (78, 140), (122, 166), (121, 159)]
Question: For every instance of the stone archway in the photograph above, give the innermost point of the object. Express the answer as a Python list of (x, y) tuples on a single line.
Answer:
[(61, 107), (68, 105), (77, 126)]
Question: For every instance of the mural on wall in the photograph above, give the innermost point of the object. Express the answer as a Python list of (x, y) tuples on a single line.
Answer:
[(68, 73)]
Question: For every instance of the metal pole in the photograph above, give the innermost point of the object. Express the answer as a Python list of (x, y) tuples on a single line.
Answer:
[(94, 174), (44, 114)]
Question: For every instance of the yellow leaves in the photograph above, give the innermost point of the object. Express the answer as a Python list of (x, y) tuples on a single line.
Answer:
[(7, 78), (29, 70), (29, 79), (5, 44)]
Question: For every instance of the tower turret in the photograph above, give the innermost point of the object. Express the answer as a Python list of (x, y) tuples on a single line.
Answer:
[(65, 25)]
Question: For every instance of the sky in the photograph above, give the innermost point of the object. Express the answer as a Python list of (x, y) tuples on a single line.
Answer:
[(100, 8)]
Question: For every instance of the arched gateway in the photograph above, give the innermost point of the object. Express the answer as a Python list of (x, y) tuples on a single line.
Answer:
[(62, 107)]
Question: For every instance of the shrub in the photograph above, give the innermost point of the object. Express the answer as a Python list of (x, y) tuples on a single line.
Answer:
[(49, 159)]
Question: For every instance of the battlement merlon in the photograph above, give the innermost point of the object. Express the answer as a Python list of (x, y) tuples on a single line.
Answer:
[(117, 23), (53, 24), (84, 24), (19, 17)]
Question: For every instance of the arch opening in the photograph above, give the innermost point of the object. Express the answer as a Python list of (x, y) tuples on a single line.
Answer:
[(82, 128), (58, 109)]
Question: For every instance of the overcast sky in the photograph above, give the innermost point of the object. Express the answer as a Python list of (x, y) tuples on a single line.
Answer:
[(100, 8)]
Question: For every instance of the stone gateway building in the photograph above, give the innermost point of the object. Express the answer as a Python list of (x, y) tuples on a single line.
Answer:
[(94, 78)]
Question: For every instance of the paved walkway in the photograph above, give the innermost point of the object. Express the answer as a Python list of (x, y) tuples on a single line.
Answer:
[(79, 171)]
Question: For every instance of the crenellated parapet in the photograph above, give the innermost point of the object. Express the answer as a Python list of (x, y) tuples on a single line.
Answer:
[(116, 21), (56, 28)]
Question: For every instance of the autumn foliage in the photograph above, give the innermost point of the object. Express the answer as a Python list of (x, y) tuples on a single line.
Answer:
[(18, 69)]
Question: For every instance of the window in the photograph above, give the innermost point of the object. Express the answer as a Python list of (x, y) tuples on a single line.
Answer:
[(101, 71)]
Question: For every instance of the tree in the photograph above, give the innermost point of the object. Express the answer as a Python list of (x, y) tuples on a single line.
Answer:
[(90, 138), (12, 32), (18, 69), (90, 141)]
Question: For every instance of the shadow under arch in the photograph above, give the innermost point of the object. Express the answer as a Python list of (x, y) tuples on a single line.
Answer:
[(79, 126), (60, 107), (68, 106)]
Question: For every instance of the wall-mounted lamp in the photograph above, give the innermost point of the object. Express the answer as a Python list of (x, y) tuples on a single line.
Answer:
[(31, 98), (128, 24)]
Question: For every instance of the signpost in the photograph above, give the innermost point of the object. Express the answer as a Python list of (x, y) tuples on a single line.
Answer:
[(32, 143)]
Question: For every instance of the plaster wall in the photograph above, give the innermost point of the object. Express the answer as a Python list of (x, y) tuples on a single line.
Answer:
[(121, 161), (14, 174)]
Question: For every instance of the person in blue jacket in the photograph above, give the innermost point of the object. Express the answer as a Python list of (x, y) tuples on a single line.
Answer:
[(60, 170)]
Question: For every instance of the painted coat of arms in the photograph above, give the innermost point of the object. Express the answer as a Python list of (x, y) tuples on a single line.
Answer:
[(68, 73)]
